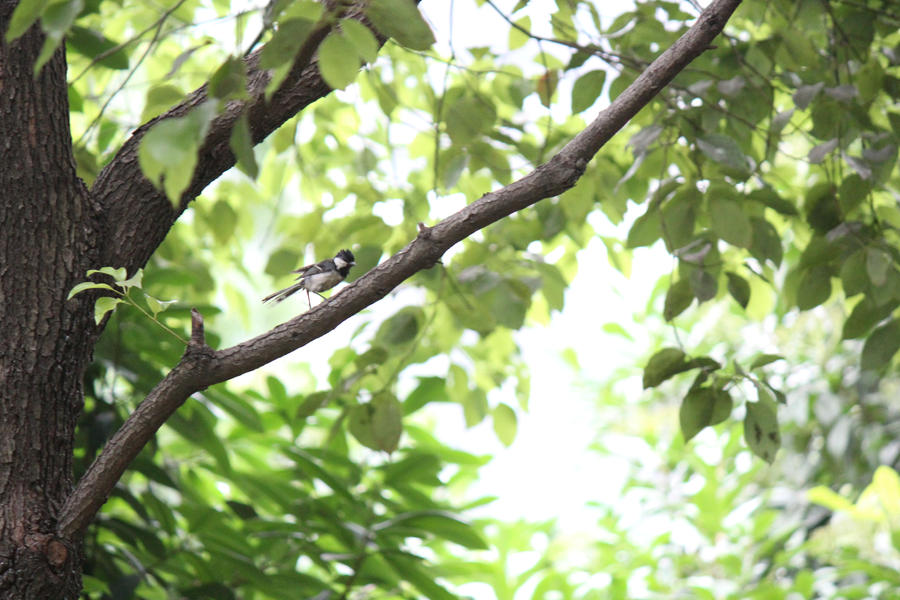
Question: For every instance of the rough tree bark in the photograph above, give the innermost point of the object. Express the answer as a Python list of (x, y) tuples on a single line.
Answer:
[(48, 234), (52, 229)]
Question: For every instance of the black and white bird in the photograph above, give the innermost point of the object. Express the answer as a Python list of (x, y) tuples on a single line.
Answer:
[(318, 277)]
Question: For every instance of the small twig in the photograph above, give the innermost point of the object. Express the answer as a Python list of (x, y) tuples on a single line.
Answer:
[(198, 337)]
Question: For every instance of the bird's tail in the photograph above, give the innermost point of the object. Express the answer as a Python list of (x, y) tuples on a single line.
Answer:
[(282, 294)]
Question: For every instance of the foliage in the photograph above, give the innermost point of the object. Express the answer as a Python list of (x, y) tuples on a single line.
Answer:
[(715, 523), (767, 171)]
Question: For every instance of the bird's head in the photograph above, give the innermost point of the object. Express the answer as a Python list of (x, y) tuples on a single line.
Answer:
[(344, 258)]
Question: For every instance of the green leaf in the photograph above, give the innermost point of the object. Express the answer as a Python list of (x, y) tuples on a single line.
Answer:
[(92, 44), (854, 278), (505, 424), (311, 404), (475, 407), (133, 281), (402, 328), (696, 411), (118, 274), (59, 15), (738, 288), (416, 467), (452, 169), (470, 117), (770, 198), (197, 426), (663, 365), (484, 155), (546, 86), (729, 222), (852, 192), (156, 306), (823, 212), (761, 429), (55, 21), (241, 143), (703, 285), (818, 153), (24, 16), (725, 151), (678, 297), (766, 242), (311, 467), (814, 287), (338, 61), (881, 346), (704, 362), (678, 218), (362, 39), (401, 20), (282, 261), (223, 220), (88, 285), (645, 230), (168, 151), (409, 570), (829, 499), (239, 408), (386, 95), (374, 356), (864, 316), (104, 305), (378, 424), (721, 407), (442, 524), (518, 38), (159, 99), (587, 89), (430, 389), (229, 82), (282, 49), (877, 264), (764, 359)]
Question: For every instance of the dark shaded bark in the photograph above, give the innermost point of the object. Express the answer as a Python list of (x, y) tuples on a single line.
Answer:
[(46, 240)]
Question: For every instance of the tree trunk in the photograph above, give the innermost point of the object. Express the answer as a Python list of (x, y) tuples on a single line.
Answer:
[(46, 243)]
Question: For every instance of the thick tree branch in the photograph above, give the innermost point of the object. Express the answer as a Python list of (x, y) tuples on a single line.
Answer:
[(201, 367), (138, 215)]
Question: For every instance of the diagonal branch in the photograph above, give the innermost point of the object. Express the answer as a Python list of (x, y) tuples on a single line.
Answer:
[(201, 366)]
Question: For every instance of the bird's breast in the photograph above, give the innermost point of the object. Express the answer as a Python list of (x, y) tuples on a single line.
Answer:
[(319, 282)]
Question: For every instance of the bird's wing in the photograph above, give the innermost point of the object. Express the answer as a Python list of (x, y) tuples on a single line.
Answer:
[(303, 270), (312, 269), (319, 267)]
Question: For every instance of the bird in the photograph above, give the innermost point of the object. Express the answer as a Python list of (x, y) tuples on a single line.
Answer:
[(318, 277)]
